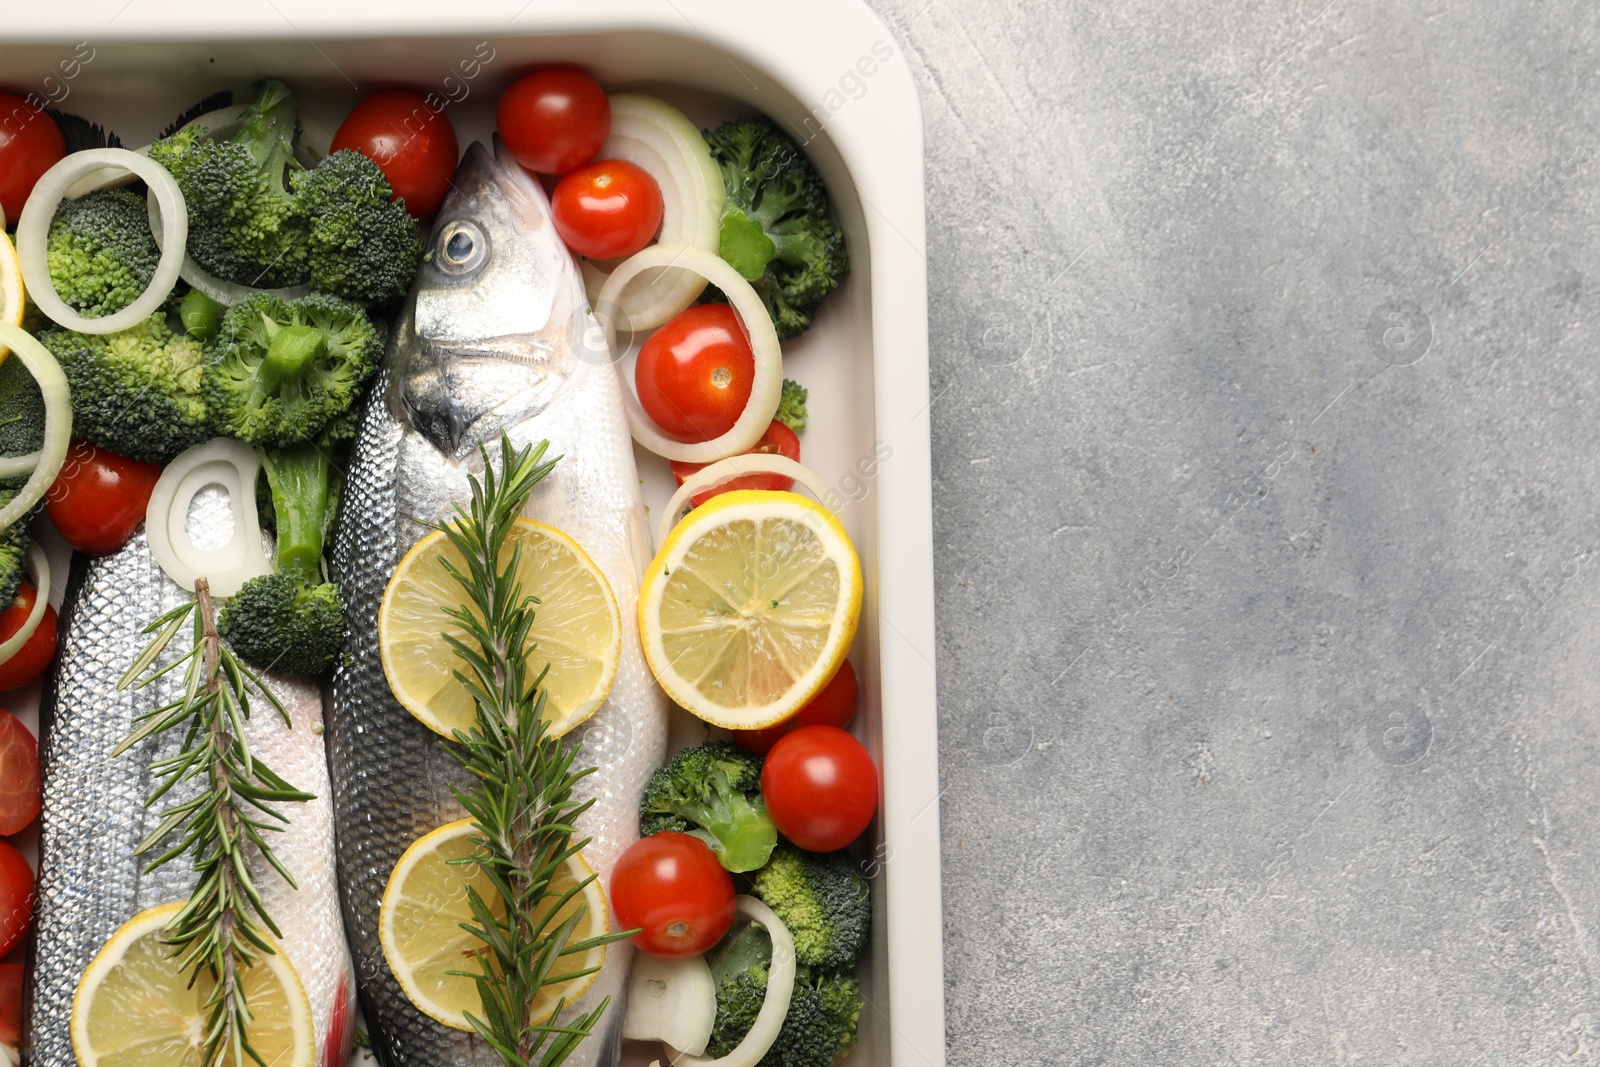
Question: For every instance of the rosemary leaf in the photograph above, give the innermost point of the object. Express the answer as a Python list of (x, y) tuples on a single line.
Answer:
[(522, 802), (220, 930)]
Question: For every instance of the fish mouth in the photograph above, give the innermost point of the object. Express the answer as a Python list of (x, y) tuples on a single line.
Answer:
[(460, 396)]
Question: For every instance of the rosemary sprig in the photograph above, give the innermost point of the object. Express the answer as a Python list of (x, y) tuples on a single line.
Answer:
[(219, 931), (522, 803)]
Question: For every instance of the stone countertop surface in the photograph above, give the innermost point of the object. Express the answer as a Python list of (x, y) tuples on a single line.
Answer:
[(1265, 370)]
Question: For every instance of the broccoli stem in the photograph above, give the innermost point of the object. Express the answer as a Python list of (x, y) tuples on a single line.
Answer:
[(739, 832), (292, 350), (201, 315), (299, 476), (269, 125), (745, 245)]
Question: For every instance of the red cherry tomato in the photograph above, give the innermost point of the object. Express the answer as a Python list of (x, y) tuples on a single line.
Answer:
[(694, 374), (834, 706), (554, 119), (30, 144), (821, 787), (11, 1005), (99, 498), (777, 440), (607, 209), (410, 141), (19, 774), (671, 886), (16, 898), (36, 652)]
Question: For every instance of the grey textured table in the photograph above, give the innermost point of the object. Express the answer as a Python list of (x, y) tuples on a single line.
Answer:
[(1264, 349)]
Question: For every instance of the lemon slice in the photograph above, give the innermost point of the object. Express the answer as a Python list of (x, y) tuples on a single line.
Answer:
[(750, 606), (135, 1008), (425, 903), (11, 301), (576, 626)]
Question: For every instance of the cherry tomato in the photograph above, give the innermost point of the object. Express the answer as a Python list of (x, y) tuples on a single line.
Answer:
[(835, 705), (694, 374), (777, 440), (30, 144), (671, 886), (607, 209), (36, 652), (16, 898), (410, 141), (11, 1005), (19, 774), (554, 119), (99, 498), (821, 787)]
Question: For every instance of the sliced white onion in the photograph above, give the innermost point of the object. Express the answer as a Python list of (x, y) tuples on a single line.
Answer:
[(726, 470), (780, 987), (233, 466), (46, 463), (221, 290), (765, 390), (18, 466), (33, 233), (105, 178), (220, 123), (654, 135), (39, 564), (674, 1001), (315, 142)]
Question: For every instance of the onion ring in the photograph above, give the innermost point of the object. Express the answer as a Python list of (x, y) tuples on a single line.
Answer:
[(656, 136), (221, 290), (33, 234), (39, 563), (780, 988), (57, 420), (725, 470), (233, 465), (765, 390), (19, 466)]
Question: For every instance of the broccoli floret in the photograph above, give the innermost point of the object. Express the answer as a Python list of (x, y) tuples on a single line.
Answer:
[(291, 620), (739, 968), (283, 369), (364, 244), (21, 410), (714, 793), (279, 622), (14, 540), (822, 899), (775, 227), (824, 1009), (136, 393), (792, 406), (245, 223), (100, 253)]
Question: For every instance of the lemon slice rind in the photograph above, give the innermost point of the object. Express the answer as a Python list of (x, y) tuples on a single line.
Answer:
[(419, 927), (120, 1026), (577, 628), (12, 301), (731, 603)]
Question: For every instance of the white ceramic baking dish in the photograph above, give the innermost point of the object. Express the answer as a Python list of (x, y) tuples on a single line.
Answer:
[(831, 72)]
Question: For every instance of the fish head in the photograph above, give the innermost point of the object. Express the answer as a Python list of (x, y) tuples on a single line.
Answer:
[(497, 321)]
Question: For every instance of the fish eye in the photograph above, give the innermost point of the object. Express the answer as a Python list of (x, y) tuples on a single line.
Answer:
[(462, 248)]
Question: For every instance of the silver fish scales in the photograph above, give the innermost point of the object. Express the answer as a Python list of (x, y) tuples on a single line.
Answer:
[(90, 882), (495, 337)]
